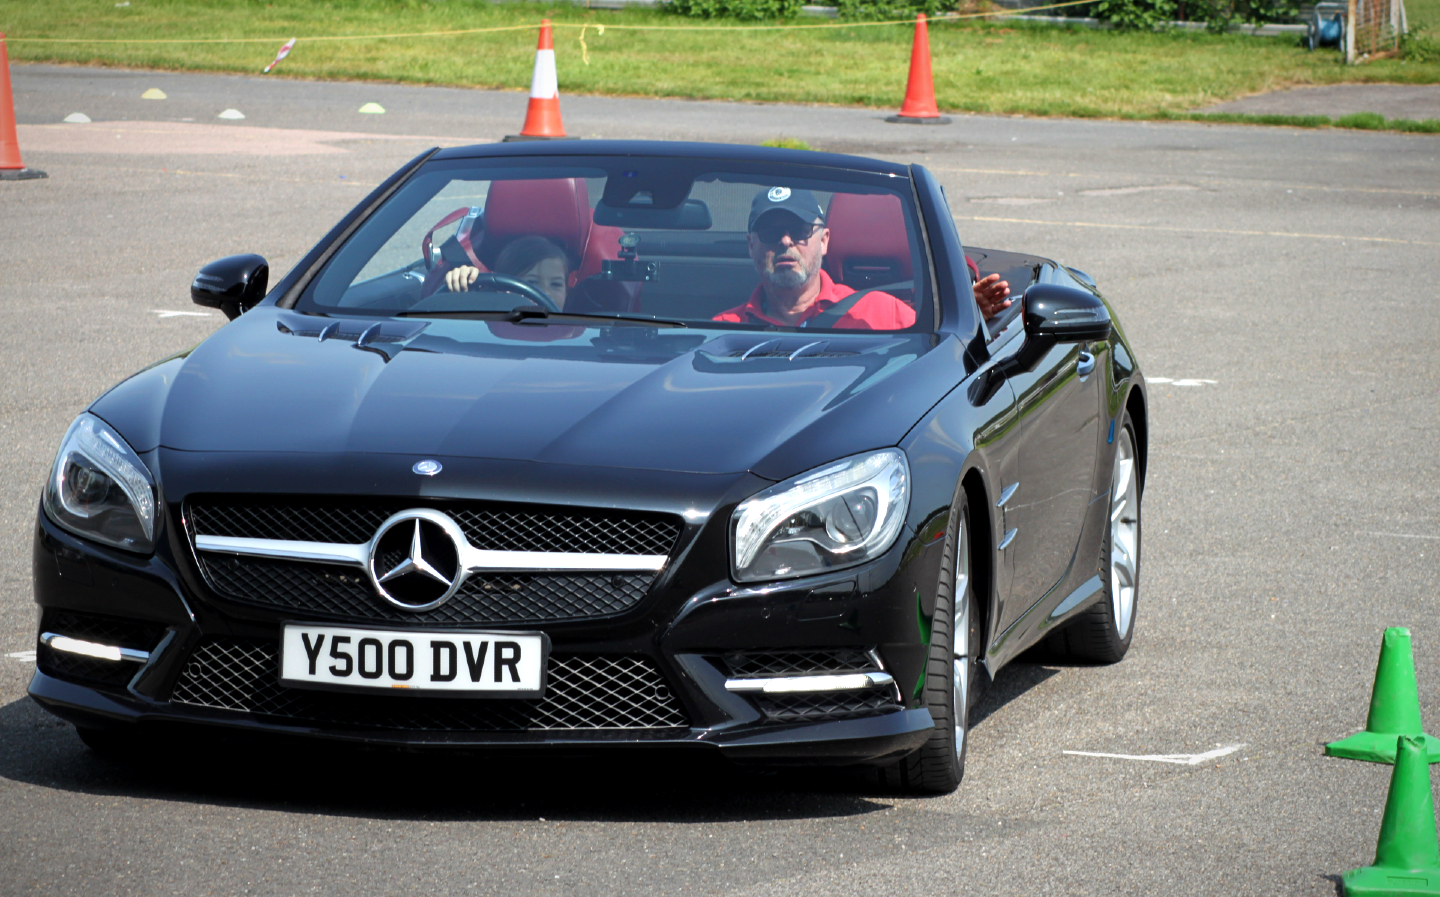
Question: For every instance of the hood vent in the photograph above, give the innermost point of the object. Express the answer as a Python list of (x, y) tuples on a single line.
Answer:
[(361, 332), (750, 347)]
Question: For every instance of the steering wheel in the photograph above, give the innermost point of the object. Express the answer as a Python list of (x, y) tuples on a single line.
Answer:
[(504, 283)]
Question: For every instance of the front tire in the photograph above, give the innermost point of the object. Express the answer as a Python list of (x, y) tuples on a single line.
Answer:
[(950, 676), (1102, 634)]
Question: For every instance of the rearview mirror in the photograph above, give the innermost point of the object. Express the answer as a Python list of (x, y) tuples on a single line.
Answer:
[(233, 284), (692, 214), (1056, 314)]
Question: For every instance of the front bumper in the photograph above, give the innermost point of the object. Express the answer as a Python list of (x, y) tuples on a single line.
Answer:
[(680, 638)]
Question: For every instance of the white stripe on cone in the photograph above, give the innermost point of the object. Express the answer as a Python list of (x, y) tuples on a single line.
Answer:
[(544, 85)]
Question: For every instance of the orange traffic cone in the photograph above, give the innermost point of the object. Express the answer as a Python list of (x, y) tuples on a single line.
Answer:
[(11, 168), (542, 116), (919, 107)]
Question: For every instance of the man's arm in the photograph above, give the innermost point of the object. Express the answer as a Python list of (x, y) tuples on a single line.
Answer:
[(990, 295)]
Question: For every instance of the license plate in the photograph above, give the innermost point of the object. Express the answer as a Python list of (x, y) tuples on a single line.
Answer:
[(479, 664)]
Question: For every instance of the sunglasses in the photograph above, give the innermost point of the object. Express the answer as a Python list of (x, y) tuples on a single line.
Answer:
[(798, 231)]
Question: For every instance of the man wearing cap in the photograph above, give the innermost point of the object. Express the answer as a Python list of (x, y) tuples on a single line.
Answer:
[(788, 239)]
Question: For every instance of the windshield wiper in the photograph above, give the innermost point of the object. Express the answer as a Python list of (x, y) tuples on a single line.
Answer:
[(523, 313)]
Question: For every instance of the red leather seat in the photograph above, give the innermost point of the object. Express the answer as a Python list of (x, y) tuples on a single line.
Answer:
[(869, 245), (558, 209)]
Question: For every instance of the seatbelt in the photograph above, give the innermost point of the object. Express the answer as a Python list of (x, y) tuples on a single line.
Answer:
[(832, 315)]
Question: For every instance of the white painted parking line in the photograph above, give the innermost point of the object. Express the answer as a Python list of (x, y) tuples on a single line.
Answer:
[(163, 313), (1179, 759), (1398, 535), (1184, 381), (22, 656)]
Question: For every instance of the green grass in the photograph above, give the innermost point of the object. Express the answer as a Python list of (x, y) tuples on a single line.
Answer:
[(786, 143), (1011, 68)]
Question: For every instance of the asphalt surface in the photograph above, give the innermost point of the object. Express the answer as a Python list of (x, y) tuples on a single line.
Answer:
[(1413, 101), (1278, 279)]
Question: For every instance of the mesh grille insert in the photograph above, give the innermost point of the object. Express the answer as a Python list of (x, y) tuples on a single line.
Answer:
[(799, 662), (813, 707), (589, 692), (346, 593)]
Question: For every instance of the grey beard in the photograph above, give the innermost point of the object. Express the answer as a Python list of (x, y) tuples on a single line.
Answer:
[(789, 278)]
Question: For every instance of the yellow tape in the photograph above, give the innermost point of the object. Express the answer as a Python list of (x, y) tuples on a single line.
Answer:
[(948, 17), (585, 50)]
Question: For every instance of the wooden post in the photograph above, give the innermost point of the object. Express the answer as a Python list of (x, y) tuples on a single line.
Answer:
[(1350, 32)]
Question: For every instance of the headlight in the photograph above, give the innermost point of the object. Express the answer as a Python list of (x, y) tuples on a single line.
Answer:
[(839, 515), (100, 489)]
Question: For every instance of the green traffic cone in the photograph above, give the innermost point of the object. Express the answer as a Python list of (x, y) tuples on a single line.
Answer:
[(1394, 707), (1407, 856)]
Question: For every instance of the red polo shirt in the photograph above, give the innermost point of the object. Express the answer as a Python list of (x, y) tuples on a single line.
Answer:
[(876, 311)]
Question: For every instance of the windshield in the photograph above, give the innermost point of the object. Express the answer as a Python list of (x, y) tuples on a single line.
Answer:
[(678, 242)]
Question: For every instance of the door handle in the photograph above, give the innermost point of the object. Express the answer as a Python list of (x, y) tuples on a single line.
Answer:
[(1085, 365)]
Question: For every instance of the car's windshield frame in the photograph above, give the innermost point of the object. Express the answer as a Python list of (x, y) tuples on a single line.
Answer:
[(401, 207)]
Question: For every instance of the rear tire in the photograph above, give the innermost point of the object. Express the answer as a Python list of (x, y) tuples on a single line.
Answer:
[(1102, 634), (950, 676)]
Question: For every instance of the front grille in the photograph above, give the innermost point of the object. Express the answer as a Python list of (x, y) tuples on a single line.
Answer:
[(136, 634), (345, 592), (799, 662), (494, 527), (581, 692), (816, 707)]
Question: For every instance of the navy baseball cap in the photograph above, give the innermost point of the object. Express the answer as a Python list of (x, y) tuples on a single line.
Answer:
[(800, 203)]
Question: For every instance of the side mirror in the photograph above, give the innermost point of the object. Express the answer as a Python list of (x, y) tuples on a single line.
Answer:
[(1056, 314), (233, 284)]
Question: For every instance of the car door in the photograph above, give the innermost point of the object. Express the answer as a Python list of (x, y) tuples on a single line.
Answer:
[(1059, 407)]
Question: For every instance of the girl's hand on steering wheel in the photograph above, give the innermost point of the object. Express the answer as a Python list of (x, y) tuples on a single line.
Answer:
[(458, 280)]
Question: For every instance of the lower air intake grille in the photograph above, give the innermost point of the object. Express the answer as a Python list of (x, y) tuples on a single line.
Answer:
[(136, 634), (800, 662), (595, 692), (814, 708)]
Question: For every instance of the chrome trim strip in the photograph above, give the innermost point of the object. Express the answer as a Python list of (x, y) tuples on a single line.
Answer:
[(1007, 493), (800, 351), (757, 347), (92, 649), (472, 560), (288, 550), (789, 685), (1005, 542)]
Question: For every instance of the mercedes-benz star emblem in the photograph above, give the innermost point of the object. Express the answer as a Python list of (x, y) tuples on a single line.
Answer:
[(415, 559), (427, 468)]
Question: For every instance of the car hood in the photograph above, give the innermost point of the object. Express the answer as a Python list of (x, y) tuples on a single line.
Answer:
[(614, 396)]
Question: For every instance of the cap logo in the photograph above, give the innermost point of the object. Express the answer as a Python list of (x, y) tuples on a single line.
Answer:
[(778, 194)]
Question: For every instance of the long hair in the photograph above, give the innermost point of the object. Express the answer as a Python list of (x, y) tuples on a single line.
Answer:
[(524, 253)]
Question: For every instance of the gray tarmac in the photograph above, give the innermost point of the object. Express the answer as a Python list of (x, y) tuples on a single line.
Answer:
[(1275, 282), (1413, 101)]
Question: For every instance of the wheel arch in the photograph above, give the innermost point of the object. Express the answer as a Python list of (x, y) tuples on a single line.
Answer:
[(1135, 405), (982, 555)]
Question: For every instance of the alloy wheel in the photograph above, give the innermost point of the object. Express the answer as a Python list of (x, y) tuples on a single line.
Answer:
[(1124, 533)]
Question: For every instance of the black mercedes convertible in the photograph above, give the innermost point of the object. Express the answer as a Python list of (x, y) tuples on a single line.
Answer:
[(592, 445)]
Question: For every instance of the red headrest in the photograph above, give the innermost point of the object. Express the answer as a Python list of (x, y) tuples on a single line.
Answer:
[(558, 209), (867, 229)]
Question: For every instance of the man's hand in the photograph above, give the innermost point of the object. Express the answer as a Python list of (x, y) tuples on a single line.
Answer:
[(458, 280), (990, 294)]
